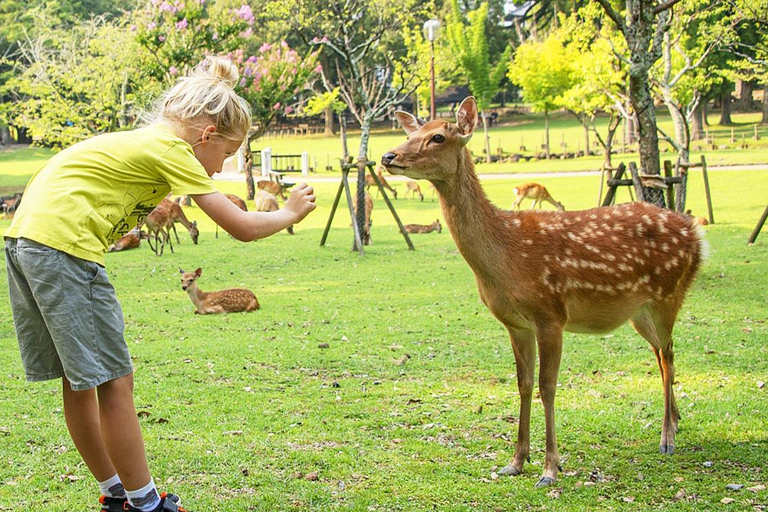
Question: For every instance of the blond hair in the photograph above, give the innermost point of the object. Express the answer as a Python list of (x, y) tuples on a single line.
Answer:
[(207, 96)]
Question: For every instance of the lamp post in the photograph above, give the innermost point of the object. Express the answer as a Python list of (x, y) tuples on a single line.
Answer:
[(431, 28)]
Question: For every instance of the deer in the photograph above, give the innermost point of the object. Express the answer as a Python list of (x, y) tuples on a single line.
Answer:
[(8, 204), (536, 192), (272, 187), (237, 202), (158, 224), (424, 228), (541, 273), (413, 188), (233, 300), (130, 240), (366, 234), (370, 182), (266, 202), (177, 215)]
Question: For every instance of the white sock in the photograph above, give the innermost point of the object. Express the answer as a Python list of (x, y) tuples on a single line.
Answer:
[(112, 488), (145, 499)]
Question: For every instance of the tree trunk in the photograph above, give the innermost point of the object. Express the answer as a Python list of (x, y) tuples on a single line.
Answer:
[(362, 159), (343, 132), (697, 121), (642, 101), (329, 131), (744, 103), (5, 136), (725, 112), (546, 133), (765, 104), (586, 135)]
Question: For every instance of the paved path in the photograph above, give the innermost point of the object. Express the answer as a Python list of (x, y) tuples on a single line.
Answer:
[(230, 174)]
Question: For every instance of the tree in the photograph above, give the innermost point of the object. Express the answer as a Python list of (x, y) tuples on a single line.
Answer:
[(470, 47), (544, 72)]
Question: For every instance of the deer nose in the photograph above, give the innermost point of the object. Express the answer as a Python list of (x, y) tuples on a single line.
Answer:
[(387, 158)]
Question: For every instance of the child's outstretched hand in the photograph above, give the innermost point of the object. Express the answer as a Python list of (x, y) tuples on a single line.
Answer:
[(301, 201)]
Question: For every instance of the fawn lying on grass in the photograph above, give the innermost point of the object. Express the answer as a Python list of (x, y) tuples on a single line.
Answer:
[(225, 301), (541, 273), (424, 228)]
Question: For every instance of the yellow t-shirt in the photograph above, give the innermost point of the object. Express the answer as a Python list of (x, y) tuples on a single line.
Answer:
[(95, 191)]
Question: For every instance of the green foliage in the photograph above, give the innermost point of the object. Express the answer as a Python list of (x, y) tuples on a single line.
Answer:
[(318, 104), (544, 71)]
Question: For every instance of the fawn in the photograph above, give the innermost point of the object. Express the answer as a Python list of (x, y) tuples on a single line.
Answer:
[(370, 182), (237, 202), (130, 240), (541, 273), (413, 188), (536, 192), (225, 301), (424, 228), (266, 202)]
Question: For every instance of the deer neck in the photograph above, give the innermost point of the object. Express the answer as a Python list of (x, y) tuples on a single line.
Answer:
[(473, 221), (196, 295)]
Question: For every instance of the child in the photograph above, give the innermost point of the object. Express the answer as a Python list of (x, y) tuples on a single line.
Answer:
[(68, 321)]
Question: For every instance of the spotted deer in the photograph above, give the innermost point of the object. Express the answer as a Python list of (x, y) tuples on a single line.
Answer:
[(370, 182), (233, 300), (273, 188), (541, 273), (413, 188), (237, 202), (536, 192), (177, 215), (266, 202), (158, 224), (424, 228), (130, 240)]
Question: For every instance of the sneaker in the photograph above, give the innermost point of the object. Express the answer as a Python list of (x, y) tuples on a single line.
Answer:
[(168, 502)]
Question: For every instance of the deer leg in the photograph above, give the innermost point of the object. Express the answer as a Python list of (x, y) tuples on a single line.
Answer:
[(654, 323), (149, 242), (524, 347), (173, 226), (550, 341)]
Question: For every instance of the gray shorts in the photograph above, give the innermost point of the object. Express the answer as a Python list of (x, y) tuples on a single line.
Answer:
[(68, 320)]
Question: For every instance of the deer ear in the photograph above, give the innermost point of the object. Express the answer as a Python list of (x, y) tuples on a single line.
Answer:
[(466, 118), (198, 271), (180, 271), (408, 121)]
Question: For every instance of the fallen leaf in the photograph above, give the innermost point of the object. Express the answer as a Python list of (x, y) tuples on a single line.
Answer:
[(233, 433), (311, 476), (760, 384), (726, 501), (402, 360), (628, 499), (757, 488)]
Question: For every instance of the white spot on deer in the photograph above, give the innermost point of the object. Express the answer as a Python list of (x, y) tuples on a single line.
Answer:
[(516, 222), (528, 242), (665, 247)]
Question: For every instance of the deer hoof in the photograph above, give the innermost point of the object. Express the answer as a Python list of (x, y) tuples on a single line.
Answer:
[(510, 470), (545, 481), (667, 449)]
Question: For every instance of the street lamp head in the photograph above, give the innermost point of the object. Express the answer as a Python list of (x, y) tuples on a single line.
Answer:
[(431, 30)]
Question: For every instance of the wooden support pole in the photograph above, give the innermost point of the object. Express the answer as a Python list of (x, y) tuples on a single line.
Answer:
[(670, 188), (636, 181), (391, 207), (706, 189), (611, 194), (759, 226)]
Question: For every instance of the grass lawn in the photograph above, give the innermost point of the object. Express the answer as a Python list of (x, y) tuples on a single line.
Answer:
[(237, 410)]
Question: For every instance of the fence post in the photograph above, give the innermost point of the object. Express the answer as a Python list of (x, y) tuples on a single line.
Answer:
[(266, 162), (305, 164)]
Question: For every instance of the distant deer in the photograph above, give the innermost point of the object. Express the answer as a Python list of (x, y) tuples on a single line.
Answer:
[(8, 204), (158, 224), (541, 273), (237, 202), (272, 187), (226, 301), (536, 192), (370, 182), (413, 188), (266, 202), (424, 228), (177, 215), (366, 234), (130, 240)]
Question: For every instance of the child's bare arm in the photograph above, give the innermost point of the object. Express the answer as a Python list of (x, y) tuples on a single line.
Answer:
[(247, 226)]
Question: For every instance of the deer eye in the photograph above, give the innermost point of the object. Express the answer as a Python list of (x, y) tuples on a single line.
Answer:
[(438, 138)]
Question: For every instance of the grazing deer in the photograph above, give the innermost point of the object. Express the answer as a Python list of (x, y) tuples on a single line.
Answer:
[(366, 234), (226, 301), (8, 204), (130, 240), (536, 192), (237, 202), (273, 188), (413, 188), (177, 215), (541, 273), (370, 182), (266, 202), (424, 228)]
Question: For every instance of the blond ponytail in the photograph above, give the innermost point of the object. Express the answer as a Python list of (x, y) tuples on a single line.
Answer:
[(207, 96)]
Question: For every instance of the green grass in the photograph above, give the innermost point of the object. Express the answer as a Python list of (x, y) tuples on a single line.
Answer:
[(234, 406)]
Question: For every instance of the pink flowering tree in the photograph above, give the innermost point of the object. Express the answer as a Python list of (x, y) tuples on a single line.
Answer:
[(271, 80), (177, 34)]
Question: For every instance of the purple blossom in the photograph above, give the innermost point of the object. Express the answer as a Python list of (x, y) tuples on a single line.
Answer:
[(161, 38), (265, 47), (288, 110), (173, 71), (151, 25), (319, 68), (276, 106), (245, 13), (246, 33), (165, 6), (182, 25), (134, 28)]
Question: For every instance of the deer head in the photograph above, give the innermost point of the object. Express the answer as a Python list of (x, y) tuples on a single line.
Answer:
[(188, 278), (426, 154)]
